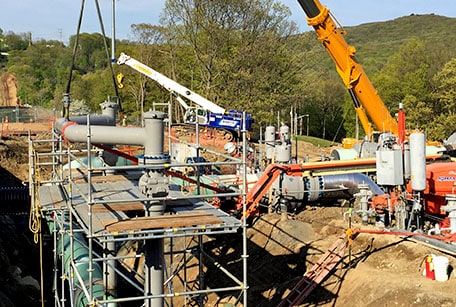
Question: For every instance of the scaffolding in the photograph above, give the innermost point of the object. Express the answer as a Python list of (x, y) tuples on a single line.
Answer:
[(108, 244)]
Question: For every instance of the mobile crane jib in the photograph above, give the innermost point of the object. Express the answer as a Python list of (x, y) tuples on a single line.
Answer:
[(206, 114)]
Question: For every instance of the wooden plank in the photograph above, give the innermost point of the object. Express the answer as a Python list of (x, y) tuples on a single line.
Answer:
[(97, 179), (97, 225), (45, 195), (51, 197), (127, 206), (163, 221)]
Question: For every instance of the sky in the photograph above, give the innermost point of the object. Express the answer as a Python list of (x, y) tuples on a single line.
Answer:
[(58, 19)]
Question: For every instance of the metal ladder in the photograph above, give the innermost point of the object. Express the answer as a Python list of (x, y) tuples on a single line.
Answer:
[(317, 273)]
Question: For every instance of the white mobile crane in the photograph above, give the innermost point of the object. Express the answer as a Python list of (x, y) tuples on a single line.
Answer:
[(206, 114)]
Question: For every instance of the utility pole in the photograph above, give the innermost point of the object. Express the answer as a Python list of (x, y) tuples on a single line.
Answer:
[(300, 123), (113, 30)]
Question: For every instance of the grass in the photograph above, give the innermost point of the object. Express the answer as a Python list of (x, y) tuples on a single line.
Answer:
[(315, 141)]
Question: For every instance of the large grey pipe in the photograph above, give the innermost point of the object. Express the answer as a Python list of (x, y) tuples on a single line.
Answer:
[(107, 117), (76, 132), (108, 135), (348, 182), (319, 188), (77, 254)]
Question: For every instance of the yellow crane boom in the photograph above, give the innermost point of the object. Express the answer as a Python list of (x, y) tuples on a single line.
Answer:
[(362, 92)]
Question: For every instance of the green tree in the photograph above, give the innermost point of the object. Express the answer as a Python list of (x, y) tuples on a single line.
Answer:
[(90, 53), (445, 92), (419, 113), (3, 58), (139, 91), (326, 105), (237, 53), (407, 72), (93, 88), (351, 122), (408, 78), (320, 90), (443, 113), (13, 41), (39, 70)]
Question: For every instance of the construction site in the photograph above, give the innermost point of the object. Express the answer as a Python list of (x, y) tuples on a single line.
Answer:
[(198, 214), (321, 254)]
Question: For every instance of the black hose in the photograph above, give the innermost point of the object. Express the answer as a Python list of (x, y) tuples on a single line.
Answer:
[(75, 47), (76, 43), (100, 18)]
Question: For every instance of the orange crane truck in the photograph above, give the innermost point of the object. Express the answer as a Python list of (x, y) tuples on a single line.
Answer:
[(365, 97)]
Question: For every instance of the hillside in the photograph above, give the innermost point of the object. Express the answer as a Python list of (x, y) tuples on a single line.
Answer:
[(264, 80), (375, 42)]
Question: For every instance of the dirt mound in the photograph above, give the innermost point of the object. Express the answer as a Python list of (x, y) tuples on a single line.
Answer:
[(13, 160), (8, 91), (378, 270), (388, 271)]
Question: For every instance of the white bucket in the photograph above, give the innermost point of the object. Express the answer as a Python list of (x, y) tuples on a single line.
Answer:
[(441, 267)]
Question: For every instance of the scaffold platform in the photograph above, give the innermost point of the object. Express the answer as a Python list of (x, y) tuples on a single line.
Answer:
[(113, 197)]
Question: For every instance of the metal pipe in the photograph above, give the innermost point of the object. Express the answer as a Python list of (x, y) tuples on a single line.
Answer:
[(113, 30), (364, 195), (153, 270), (78, 255), (153, 183), (111, 135), (245, 256), (110, 282), (89, 211), (351, 182), (106, 135), (107, 118), (320, 188)]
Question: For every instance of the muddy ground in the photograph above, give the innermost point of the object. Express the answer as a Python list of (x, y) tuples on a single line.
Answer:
[(377, 270)]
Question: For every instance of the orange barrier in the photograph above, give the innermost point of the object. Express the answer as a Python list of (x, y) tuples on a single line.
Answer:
[(21, 128)]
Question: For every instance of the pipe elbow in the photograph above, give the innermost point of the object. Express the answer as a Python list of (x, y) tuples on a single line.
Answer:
[(64, 127)]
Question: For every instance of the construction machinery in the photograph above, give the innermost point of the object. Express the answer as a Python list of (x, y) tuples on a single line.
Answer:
[(205, 113), (395, 159), (367, 102)]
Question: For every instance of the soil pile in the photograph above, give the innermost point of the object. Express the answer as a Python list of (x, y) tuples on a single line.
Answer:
[(377, 270), (8, 90)]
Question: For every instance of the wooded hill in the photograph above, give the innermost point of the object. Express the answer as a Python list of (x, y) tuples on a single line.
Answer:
[(260, 65), (377, 41), (408, 59)]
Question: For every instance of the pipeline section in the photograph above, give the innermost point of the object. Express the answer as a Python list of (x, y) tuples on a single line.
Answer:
[(301, 190), (73, 248)]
